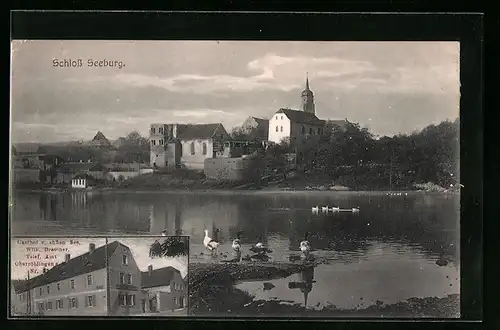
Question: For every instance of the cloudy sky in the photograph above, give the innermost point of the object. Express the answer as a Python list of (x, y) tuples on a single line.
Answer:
[(389, 87)]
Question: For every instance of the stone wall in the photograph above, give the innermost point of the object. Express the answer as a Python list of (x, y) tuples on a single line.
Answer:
[(236, 169)]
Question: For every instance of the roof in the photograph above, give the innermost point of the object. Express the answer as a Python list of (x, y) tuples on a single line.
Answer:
[(303, 117), (261, 121), (26, 148), (158, 277), (83, 176), (79, 265), (80, 167), (68, 153), (199, 131), (99, 136), (339, 123)]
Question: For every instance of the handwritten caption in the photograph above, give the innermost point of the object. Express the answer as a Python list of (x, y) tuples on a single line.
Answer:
[(40, 254)]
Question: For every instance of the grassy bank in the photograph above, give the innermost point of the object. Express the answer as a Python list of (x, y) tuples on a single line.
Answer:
[(212, 292)]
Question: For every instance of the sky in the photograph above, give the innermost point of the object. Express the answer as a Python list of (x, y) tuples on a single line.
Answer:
[(139, 246), (389, 87)]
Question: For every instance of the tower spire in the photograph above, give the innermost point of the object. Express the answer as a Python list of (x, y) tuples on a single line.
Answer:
[(307, 81)]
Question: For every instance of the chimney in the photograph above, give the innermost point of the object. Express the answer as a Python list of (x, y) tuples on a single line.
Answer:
[(91, 247), (150, 269), (67, 257)]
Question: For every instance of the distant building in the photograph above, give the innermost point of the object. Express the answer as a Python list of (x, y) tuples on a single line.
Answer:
[(67, 171), (82, 181), (174, 145), (294, 125), (255, 128), (103, 281), (100, 141), (164, 289)]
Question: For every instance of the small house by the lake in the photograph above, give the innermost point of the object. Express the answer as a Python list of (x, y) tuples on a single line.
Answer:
[(82, 181)]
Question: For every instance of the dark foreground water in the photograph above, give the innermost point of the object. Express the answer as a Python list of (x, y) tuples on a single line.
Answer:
[(386, 252)]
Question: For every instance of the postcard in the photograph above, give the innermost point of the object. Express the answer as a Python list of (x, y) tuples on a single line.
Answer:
[(312, 178), (99, 276)]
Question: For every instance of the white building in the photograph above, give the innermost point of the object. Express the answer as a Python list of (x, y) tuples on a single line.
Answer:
[(82, 181)]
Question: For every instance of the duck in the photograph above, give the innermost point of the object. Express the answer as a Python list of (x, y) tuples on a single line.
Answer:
[(260, 248), (315, 208), (335, 209), (355, 209), (164, 232), (325, 208), (305, 246), (210, 244)]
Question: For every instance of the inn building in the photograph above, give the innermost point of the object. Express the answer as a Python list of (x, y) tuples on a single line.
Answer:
[(103, 281)]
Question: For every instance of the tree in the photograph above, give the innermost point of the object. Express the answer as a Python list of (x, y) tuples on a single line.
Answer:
[(172, 246), (134, 148)]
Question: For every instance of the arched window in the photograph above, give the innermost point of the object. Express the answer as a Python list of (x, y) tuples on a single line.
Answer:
[(276, 128), (192, 148), (204, 148), (281, 128), (303, 129)]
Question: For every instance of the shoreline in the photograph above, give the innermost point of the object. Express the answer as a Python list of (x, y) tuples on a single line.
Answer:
[(213, 292), (228, 191)]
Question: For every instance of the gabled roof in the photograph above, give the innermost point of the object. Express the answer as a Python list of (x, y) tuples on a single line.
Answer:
[(261, 121), (82, 264), (100, 137), (301, 116), (83, 176), (199, 131), (158, 277)]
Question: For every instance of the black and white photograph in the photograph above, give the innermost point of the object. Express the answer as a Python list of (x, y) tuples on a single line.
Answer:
[(313, 178), (99, 276)]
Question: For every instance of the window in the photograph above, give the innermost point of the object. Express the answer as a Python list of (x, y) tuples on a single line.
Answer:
[(161, 142), (90, 301), (153, 130), (89, 279), (319, 130), (192, 148), (129, 278), (160, 130), (303, 129), (276, 128), (48, 289), (125, 259), (310, 130), (58, 286), (281, 117), (122, 278), (175, 300), (130, 300), (40, 307), (49, 305), (204, 148), (41, 291), (122, 299), (153, 142), (73, 303), (281, 128), (59, 304)]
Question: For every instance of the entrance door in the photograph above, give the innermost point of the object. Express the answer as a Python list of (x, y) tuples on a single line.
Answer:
[(181, 302)]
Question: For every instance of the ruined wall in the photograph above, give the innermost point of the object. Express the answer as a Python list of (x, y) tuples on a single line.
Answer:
[(236, 169)]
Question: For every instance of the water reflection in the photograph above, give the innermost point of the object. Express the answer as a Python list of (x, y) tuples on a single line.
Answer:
[(426, 223), (305, 283)]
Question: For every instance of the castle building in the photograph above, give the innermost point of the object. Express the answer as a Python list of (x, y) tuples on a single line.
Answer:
[(175, 145)]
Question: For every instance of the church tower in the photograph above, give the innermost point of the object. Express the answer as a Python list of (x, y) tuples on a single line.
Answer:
[(308, 99)]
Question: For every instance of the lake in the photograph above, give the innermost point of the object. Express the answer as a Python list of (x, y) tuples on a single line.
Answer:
[(385, 252)]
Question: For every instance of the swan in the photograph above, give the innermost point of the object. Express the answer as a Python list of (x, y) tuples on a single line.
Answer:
[(325, 208), (305, 246), (355, 209), (164, 233), (335, 209), (315, 208), (209, 243)]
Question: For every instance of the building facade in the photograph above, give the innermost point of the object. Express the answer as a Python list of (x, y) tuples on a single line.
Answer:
[(178, 145), (164, 290)]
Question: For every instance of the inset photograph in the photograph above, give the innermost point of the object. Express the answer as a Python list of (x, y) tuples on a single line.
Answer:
[(99, 276)]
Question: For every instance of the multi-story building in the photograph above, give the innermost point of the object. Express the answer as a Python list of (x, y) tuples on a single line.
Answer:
[(164, 290), (174, 145), (103, 281)]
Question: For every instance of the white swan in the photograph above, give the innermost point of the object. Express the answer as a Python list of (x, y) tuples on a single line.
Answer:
[(164, 233), (325, 208), (355, 209), (315, 208), (335, 209), (305, 246), (210, 244)]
